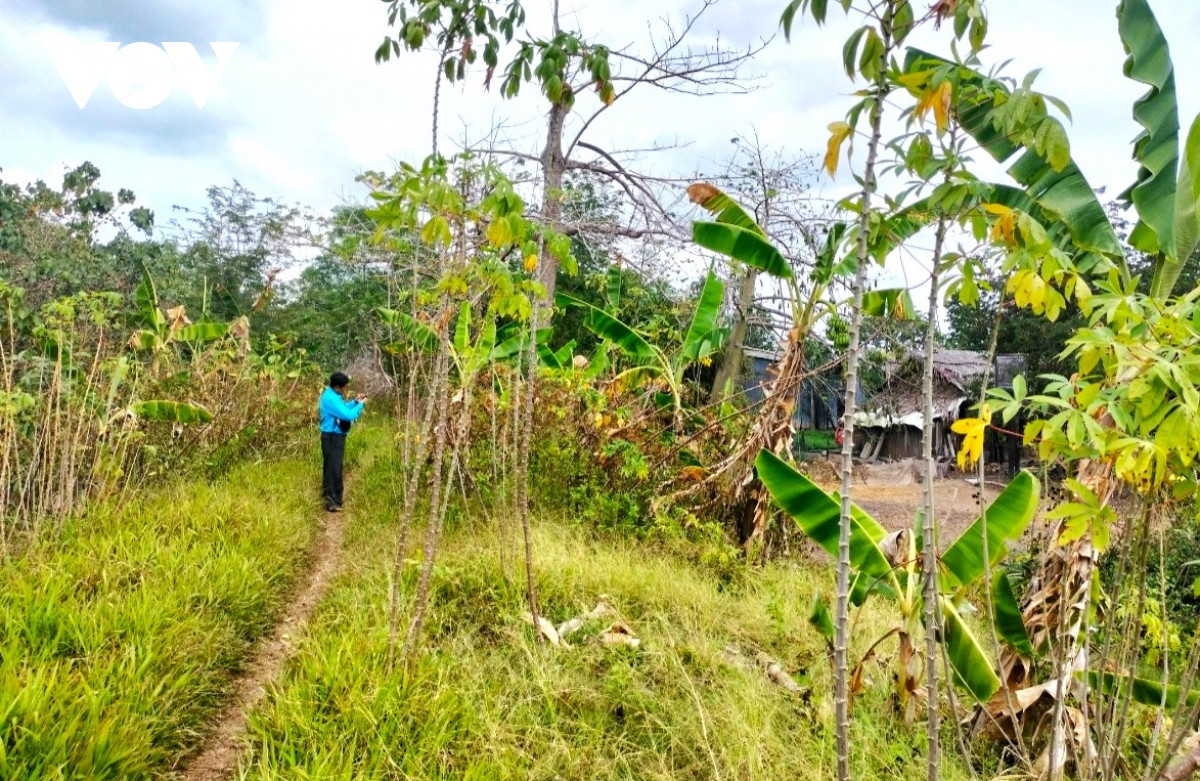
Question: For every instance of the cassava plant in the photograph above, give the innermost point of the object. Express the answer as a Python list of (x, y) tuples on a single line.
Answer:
[(485, 248), (1067, 250)]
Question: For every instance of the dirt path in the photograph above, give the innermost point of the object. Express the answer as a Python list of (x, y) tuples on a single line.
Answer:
[(218, 756)]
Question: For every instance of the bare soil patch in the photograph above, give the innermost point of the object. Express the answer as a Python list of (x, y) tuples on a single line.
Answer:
[(896, 506)]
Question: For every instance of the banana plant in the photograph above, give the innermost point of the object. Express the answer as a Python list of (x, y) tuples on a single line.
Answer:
[(1165, 199), (1166, 196), (735, 234), (888, 565), (701, 341), (157, 331), (1167, 193)]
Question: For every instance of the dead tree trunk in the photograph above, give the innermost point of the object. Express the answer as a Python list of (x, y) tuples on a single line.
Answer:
[(731, 362)]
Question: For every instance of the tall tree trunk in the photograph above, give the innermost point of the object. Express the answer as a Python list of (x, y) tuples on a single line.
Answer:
[(554, 166), (731, 362), (842, 617), (929, 532)]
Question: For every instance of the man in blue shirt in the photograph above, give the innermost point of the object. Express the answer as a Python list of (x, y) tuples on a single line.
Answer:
[(336, 416)]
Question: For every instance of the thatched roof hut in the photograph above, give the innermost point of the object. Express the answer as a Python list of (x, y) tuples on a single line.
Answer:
[(892, 419)]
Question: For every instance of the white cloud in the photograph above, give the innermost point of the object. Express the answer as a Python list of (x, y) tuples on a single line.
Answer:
[(303, 107)]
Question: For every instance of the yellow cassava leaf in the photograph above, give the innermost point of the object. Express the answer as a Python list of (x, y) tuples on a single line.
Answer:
[(941, 105), (1005, 229), (838, 133), (914, 81), (972, 430), (937, 100), (531, 262)]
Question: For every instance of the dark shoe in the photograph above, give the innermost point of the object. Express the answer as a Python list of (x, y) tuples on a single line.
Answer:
[(333, 508)]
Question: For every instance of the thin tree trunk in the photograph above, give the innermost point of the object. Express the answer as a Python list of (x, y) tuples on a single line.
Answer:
[(531, 357), (842, 619), (929, 533), (438, 486), (731, 362), (554, 165), (437, 94)]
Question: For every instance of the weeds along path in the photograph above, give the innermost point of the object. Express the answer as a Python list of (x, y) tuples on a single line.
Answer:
[(217, 757)]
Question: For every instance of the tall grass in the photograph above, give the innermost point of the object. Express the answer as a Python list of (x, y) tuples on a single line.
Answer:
[(121, 636), (485, 700)]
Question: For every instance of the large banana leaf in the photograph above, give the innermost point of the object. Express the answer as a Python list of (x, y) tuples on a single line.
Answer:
[(144, 339), (485, 345), (512, 341), (557, 359), (818, 514), (613, 289), (146, 296), (171, 412), (608, 327), (1010, 625), (1144, 690), (1187, 210), (462, 330), (727, 210), (1157, 149), (743, 244), (973, 669), (417, 332), (704, 321), (1007, 518), (202, 332), (1065, 194), (820, 618), (894, 303)]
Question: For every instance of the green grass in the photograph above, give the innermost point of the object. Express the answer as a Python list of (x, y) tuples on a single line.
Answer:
[(816, 441), (485, 701), (121, 636)]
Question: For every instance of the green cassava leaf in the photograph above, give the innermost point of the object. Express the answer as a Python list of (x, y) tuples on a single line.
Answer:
[(171, 412)]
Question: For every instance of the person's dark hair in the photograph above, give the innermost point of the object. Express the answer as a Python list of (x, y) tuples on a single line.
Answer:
[(338, 380)]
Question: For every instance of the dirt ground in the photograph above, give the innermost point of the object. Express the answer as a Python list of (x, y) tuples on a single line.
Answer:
[(896, 506)]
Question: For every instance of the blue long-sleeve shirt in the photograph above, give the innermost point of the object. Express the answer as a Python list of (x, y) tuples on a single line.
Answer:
[(334, 408)]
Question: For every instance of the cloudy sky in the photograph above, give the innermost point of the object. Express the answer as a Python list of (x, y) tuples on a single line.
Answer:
[(302, 107)]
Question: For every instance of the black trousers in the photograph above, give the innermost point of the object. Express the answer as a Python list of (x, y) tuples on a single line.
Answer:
[(333, 455)]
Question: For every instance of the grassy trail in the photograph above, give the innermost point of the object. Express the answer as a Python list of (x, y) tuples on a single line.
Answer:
[(484, 700), (217, 758), (124, 639), (212, 632)]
